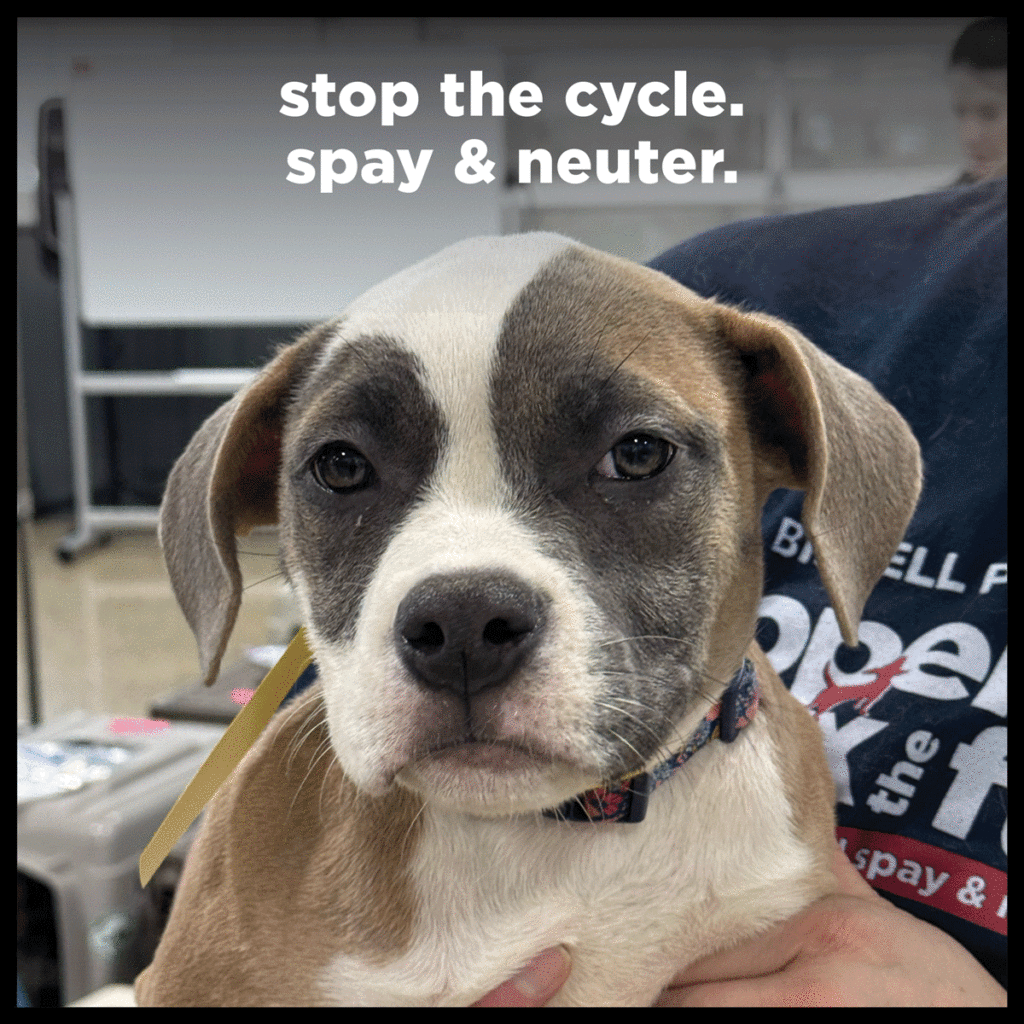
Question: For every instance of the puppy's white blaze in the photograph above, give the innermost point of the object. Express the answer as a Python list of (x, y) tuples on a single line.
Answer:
[(376, 722), (448, 310)]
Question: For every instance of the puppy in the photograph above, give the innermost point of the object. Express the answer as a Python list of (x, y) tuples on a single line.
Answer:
[(518, 491)]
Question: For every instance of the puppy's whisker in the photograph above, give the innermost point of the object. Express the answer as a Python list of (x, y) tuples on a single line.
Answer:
[(717, 684), (265, 579), (333, 766), (314, 721), (666, 746), (622, 739), (323, 749), (595, 349), (412, 824), (618, 709), (643, 636), (608, 379)]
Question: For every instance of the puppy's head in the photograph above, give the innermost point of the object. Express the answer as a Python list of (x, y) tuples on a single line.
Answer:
[(518, 489)]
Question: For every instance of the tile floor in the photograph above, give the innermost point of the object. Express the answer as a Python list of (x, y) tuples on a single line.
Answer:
[(109, 634)]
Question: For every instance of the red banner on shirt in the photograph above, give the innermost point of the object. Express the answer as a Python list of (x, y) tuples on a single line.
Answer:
[(928, 874)]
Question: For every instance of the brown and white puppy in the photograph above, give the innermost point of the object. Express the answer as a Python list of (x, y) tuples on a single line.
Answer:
[(518, 489)]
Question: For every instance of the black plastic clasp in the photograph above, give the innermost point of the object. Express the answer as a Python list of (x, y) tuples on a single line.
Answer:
[(640, 789), (727, 730), (569, 811)]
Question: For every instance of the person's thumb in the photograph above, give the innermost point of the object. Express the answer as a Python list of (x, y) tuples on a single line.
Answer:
[(535, 984)]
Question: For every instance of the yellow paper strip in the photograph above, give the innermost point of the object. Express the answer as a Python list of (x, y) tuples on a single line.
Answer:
[(241, 734)]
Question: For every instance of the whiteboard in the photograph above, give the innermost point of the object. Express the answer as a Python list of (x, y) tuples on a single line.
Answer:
[(184, 213)]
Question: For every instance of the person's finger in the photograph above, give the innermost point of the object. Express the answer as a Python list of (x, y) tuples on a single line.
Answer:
[(535, 984)]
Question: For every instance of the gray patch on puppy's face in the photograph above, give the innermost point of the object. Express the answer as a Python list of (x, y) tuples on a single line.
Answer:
[(370, 398), (639, 547)]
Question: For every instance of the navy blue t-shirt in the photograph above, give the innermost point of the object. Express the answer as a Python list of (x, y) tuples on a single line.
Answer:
[(911, 294)]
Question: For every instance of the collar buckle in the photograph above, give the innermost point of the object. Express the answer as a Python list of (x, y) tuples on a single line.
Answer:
[(628, 800), (640, 789)]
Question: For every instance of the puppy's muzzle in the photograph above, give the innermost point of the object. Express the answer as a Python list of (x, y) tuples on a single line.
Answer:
[(468, 632)]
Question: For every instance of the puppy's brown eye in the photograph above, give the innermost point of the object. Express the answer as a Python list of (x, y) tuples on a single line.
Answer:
[(636, 457), (340, 468)]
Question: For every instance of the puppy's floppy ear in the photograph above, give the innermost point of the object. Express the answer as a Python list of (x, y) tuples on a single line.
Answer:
[(224, 484), (824, 429)]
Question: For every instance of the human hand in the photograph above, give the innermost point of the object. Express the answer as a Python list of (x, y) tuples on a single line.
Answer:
[(853, 948)]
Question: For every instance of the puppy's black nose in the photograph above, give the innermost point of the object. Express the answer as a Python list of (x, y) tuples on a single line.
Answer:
[(468, 631)]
